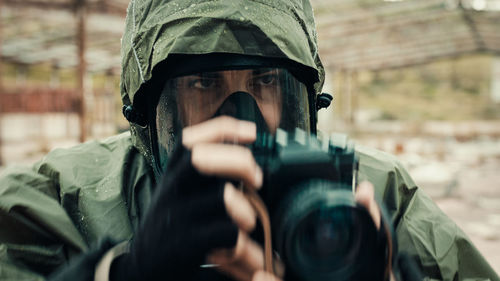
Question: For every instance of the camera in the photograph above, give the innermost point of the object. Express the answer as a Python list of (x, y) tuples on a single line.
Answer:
[(319, 230)]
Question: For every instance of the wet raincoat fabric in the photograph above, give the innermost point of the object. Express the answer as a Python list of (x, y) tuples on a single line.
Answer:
[(65, 204)]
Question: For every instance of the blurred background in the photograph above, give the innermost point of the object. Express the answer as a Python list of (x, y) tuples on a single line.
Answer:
[(416, 78)]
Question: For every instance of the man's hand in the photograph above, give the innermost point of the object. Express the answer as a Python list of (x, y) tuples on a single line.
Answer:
[(196, 215), (215, 152)]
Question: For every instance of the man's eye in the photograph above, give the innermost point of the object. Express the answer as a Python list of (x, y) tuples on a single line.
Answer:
[(202, 83), (269, 79)]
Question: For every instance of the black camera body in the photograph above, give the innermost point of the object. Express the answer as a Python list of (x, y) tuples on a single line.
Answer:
[(319, 230)]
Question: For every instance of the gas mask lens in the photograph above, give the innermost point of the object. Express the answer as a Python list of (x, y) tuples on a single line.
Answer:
[(271, 97)]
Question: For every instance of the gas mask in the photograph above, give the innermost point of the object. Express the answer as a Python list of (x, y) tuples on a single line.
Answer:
[(270, 97)]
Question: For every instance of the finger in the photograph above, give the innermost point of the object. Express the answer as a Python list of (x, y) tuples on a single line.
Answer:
[(220, 129), (230, 161), (239, 209), (365, 195), (236, 270), (247, 253), (264, 276), (240, 273), (226, 261)]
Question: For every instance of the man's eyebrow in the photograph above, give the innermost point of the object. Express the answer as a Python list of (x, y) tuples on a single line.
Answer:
[(210, 75), (263, 71), (213, 74)]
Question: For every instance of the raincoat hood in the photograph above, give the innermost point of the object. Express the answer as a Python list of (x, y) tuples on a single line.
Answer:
[(267, 28)]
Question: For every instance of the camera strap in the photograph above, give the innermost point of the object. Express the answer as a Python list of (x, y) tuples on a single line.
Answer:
[(385, 236), (387, 241), (263, 215)]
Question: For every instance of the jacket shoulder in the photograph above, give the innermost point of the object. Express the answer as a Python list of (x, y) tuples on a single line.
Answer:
[(383, 170), (92, 163), (91, 152), (100, 185)]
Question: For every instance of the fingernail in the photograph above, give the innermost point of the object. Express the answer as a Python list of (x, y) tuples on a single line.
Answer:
[(258, 178)]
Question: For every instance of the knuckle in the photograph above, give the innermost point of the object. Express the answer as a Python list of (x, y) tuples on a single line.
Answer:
[(227, 122), (229, 194), (241, 246), (249, 164), (224, 126), (187, 137), (248, 156)]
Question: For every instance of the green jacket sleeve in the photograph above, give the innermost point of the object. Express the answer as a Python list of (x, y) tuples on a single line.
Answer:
[(36, 234), (439, 246), (68, 202)]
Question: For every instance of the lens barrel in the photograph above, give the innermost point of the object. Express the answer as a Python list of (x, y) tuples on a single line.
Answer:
[(322, 234)]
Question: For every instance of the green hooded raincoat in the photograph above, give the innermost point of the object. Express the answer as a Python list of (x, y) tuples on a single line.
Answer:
[(64, 204)]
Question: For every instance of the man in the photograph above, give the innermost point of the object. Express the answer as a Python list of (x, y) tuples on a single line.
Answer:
[(163, 200)]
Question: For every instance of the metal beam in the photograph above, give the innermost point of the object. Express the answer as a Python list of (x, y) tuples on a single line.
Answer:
[(39, 4), (473, 29), (81, 14), (104, 7), (1, 87)]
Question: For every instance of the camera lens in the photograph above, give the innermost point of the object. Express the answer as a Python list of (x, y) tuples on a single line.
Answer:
[(329, 239), (326, 235)]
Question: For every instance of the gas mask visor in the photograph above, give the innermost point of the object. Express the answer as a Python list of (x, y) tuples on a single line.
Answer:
[(270, 97)]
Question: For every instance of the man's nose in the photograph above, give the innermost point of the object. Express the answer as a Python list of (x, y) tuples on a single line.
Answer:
[(237, 81)]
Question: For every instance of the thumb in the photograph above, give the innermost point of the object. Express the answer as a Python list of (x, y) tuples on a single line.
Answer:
[(264, 276)]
